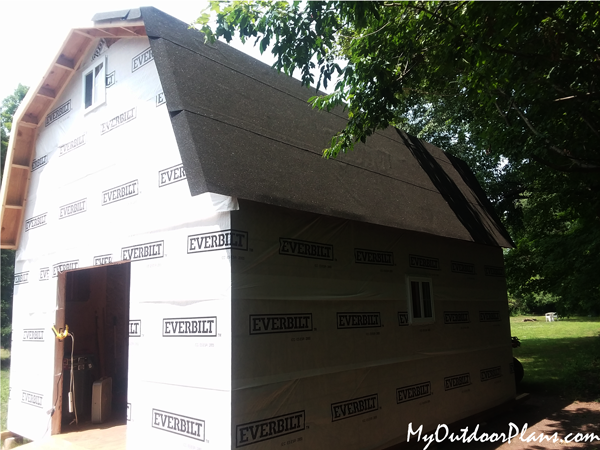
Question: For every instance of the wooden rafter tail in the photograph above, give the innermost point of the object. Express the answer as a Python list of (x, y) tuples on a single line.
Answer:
[(46, 92), (67, 63), (29, 122)]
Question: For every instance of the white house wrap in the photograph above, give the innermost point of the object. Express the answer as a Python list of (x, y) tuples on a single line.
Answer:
[(240, 290)]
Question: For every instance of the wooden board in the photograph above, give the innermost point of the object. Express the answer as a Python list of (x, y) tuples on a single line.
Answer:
[(58, 354)]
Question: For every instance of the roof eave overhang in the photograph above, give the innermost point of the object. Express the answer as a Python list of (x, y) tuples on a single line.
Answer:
[(33, 109)]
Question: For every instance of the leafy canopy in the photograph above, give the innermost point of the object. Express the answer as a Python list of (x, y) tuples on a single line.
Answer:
[(7, 111), (510, 87)]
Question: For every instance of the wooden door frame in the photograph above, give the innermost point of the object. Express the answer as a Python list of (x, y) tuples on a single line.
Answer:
[(59, 345)]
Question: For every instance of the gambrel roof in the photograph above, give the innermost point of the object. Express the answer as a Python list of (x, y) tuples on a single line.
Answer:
[(247, 131)]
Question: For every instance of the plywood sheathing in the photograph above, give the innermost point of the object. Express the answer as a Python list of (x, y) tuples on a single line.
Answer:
[(34, 108)]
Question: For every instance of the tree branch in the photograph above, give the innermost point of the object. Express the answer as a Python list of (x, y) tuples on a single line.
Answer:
[(580, 166), (589, 125), (504, 116), (433, 13), (576, 97), (560, 152), (365, 35), (578, 169)]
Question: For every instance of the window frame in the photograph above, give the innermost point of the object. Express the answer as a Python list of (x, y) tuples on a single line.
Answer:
[(98, 84), (411, 316)]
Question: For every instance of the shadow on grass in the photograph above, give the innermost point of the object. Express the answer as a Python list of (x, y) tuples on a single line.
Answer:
[(569, 367), (5, 363)]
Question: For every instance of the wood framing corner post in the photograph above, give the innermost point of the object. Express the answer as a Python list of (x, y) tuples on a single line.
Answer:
[(58, 354)]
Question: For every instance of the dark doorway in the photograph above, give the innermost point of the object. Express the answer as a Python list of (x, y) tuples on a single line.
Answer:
[(95, 305)]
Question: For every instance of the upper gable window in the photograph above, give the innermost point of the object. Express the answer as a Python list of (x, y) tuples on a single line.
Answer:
[(94, 85)]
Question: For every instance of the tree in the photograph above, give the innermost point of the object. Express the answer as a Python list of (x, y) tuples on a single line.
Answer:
[(7, 111), (510, 87), (7, 264)]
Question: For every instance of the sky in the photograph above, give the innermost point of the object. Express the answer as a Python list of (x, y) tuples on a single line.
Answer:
[(32, 32)]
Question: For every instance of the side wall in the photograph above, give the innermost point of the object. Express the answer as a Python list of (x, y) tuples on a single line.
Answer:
[(323, 356), (108, 186)]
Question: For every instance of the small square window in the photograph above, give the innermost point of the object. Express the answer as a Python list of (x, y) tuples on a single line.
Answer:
[(94, 85), (420, 300)]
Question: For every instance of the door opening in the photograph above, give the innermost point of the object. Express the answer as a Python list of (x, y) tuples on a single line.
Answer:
[(94, 303)]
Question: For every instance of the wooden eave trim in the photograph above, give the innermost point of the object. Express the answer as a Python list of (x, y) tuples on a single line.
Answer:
[(24, 119)]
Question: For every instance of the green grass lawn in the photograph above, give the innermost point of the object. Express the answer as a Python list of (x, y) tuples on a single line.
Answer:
[(561, 357), (4, 379), (5, 371)]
